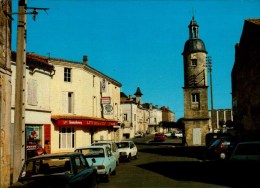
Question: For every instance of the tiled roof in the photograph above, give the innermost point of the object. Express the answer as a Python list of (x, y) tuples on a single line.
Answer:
[(34, 60), (254, 20)]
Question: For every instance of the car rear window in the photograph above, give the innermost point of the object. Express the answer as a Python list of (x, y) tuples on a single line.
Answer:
[(248, 149)]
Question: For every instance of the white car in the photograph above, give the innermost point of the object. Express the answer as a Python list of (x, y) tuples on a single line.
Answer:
[(111, 144), (127, 150), (101, 158)]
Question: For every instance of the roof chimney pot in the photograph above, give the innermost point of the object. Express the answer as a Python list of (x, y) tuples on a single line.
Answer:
[(85, 60)]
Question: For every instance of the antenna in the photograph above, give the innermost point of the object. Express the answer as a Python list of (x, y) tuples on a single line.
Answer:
[(193, 11)]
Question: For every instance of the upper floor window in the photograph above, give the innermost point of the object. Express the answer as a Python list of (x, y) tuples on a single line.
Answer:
[(125, 117), (195, 97), (67, 74), (32, 92), (194, 62), (68, 102)]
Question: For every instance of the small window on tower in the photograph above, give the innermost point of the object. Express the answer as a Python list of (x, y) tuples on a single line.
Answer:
[(195, 97), (194, 62)]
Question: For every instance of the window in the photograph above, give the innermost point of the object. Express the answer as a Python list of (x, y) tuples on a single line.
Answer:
[(66, 138), (195, 97), (194, 62), (125, 117), (67, 74), (68, 102), (32, 92)]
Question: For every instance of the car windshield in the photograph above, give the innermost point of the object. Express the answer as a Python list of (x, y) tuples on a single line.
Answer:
[(123, 145), (46, 166), (93, 152)]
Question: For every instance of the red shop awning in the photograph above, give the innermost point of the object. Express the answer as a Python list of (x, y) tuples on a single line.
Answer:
[(67, 120)]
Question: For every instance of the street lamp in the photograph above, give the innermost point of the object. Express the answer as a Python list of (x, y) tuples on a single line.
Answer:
[(209, 66)]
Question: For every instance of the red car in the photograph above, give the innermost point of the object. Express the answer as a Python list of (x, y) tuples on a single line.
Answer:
[(159, 137)]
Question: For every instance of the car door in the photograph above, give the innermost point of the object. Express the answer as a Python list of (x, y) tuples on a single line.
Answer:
[(133, 149), (110, 159)]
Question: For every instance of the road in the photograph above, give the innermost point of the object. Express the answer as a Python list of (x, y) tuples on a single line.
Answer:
[(167, 165)]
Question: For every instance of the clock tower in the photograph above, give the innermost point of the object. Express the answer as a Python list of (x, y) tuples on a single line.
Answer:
[(196, 118)]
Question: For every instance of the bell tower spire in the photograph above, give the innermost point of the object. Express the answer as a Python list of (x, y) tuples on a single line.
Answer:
[(196, 118), (194, 29)]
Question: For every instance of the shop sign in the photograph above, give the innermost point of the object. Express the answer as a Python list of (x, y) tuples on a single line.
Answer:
[(105, 100)]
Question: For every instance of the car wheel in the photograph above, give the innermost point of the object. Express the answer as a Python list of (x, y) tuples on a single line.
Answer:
[(114, 172), (107, 178), (222, 156), (129, 157), (136, 156)]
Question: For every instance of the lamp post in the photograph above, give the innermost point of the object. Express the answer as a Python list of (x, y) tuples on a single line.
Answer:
[(209, 66)]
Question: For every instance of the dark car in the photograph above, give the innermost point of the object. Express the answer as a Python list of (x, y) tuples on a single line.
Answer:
[(57, 170), (159, 137), (219, 149)]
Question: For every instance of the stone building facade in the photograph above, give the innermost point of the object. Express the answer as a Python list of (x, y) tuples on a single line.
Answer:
[(5, 92), (195, 88), (246, 81)]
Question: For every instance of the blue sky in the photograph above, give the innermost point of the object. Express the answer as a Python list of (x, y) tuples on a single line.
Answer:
[(139, 42)]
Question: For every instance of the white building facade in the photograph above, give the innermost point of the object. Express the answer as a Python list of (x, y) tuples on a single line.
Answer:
[(85, 106)]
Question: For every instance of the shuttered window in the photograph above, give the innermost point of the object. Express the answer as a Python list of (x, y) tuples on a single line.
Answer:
[(32, 92)]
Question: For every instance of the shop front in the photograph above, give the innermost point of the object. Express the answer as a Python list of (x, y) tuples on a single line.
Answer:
[(77, 131)]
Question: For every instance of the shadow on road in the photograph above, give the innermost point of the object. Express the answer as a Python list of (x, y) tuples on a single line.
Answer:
[(224, 173)]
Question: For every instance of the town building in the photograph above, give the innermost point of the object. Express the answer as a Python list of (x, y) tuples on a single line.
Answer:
[(220, 118), (5, 91), (246, 81), (85, 105), (37, 115), (195, 88)]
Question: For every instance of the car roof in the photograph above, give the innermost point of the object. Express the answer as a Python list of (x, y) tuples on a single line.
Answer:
[(88, 147), (124, 141), (249, 142), (55, 155)]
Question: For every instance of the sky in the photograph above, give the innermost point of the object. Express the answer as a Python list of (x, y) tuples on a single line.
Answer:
[(139, 43)]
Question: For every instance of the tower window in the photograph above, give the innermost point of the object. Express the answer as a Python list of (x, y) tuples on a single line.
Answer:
[(195, 97), (194, 62)]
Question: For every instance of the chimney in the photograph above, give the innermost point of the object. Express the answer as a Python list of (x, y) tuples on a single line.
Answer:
[(85, 60)]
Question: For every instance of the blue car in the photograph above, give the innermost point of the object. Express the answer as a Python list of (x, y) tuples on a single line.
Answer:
[(57, 170), (102, 159)]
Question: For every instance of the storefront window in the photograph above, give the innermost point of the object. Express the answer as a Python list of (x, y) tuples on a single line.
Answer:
[(66, 138), (33, 138)]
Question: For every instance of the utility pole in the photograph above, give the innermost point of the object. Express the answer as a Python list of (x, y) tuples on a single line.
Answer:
[(19, 116), (209, 66)]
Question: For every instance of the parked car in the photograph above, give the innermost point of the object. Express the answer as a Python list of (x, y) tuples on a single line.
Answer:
[(101, 158), (178, 134), (111, 144), (127, 150), (220, 148), (169, 134), (159, 137), (57, 170), (247, 151), (139, 134)]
